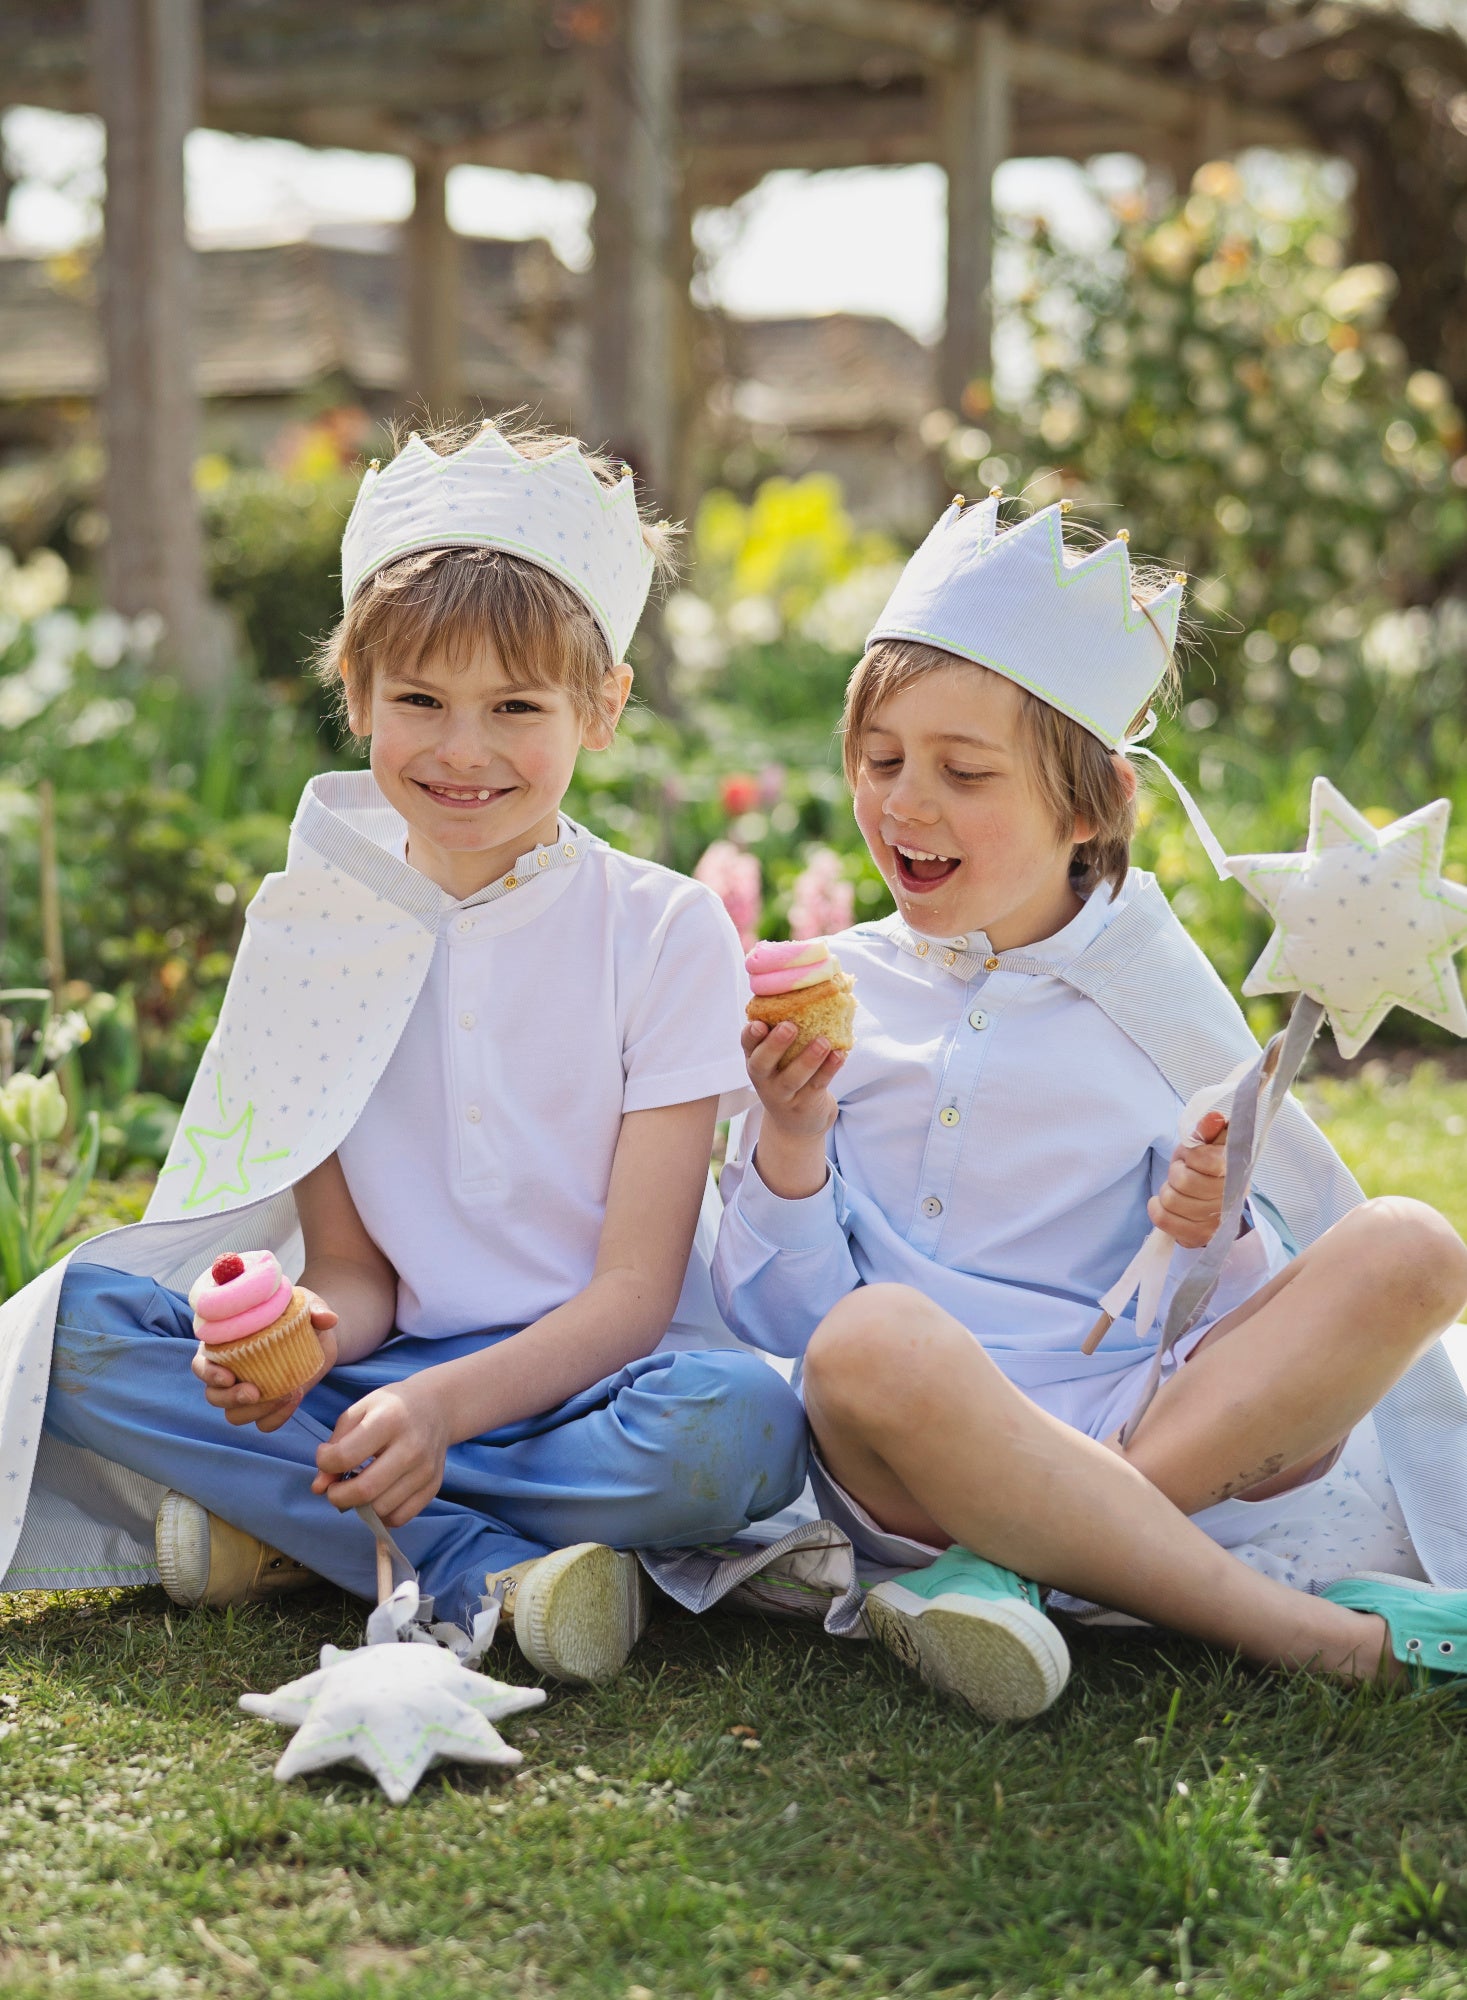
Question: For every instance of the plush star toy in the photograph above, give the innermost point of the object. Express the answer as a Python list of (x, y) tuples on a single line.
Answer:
[(403, 1701), (1364, 920)]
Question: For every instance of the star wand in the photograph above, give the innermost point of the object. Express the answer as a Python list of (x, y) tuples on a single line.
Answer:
[(1363, 921)]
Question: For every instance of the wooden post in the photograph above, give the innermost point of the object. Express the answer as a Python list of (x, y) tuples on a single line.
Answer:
[(606, 119), (975, 120), (689, 366), (657, 265), (146, 60), (430, 275), (630, 122)]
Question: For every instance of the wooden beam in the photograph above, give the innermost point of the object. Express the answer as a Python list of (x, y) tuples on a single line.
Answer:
[(976, 136), (930, 32), (430, 271), (934, 35), (146, 57)]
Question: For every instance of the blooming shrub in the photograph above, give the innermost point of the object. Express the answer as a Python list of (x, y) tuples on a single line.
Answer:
[(1225, 383)]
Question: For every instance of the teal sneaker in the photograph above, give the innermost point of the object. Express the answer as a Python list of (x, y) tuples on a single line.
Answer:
[(1428, 1627), (973, 1630)]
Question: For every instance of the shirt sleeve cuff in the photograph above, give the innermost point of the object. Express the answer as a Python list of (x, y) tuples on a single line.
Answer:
[(729, 1082), (807, 1224)]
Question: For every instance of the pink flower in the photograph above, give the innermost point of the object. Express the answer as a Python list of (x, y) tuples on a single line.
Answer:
[(822, 900), (734, 878), (771, 785)]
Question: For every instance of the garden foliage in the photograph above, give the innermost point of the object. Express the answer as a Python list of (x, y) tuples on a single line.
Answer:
[(1222, 381)]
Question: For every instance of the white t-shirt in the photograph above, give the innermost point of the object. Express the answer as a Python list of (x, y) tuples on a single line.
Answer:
[(481, 1163)]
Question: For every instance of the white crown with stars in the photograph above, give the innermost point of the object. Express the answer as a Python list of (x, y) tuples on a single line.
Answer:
[(552, 511), (1062, 623)]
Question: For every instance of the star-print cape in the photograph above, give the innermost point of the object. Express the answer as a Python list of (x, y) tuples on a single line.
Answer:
[(335, 952)]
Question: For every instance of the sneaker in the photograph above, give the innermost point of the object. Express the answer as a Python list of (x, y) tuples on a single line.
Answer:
[(1428, 1627), (973, 1630), (203, 1560), (576, 1614)]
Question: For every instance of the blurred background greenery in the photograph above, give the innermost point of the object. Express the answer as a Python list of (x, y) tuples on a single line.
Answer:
[(1220, 380)]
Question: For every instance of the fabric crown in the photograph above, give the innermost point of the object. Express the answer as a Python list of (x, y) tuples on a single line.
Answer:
[(551, 511), (1066, 626)]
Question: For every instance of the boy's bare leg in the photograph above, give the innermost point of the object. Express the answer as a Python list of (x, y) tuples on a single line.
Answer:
[(918, 1424), (1276, 1385)]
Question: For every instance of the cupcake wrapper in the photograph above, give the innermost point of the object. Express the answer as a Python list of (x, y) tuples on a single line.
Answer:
[(280, 1357)]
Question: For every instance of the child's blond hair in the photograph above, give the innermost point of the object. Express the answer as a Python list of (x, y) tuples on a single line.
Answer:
[(1077, 775), (455, 601)]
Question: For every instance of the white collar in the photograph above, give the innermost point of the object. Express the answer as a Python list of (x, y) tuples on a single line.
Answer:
[(344, 817), (967, 955)]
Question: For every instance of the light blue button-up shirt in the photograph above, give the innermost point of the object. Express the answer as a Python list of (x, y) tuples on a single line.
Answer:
[(998, 1140)]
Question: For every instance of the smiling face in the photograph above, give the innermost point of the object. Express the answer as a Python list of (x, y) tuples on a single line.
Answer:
[(947, 800), (475, 758)]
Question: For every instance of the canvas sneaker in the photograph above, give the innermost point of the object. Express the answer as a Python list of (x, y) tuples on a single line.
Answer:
[(973, 1630), (1428, 1626), (576, 1614), (203, 1560)]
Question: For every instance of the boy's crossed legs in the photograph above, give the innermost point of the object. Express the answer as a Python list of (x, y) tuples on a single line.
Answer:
[(675, 1448), (920, 1426)]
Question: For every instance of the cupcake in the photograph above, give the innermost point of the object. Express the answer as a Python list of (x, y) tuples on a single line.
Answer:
[(256, 1323), (801, 981)]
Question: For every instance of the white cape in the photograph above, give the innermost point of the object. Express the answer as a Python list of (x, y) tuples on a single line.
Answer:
[(334, 955)]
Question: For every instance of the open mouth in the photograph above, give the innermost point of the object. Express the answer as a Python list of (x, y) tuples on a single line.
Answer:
[(460, 798), (920, 871)]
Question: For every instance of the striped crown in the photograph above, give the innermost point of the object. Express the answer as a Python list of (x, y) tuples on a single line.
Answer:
[(1062, 623), (552, 511)]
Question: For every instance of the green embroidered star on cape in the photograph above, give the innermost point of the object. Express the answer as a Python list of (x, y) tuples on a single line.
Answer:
[(1364, 920), (223, 1155)]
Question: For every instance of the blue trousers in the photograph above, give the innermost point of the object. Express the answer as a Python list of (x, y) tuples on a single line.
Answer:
[(673, 1449)]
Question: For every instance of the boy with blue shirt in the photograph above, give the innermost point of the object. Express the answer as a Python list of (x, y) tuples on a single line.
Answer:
[(929, 1221)]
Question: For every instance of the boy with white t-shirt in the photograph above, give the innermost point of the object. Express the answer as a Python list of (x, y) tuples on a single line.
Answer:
[(524, 1372)]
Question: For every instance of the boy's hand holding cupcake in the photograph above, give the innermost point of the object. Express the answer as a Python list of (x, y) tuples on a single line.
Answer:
[(799, 1034), (263, 1341)]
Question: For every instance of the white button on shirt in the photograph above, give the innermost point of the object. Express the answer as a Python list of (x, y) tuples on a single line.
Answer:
[(1003, 1174), (481, 1162)]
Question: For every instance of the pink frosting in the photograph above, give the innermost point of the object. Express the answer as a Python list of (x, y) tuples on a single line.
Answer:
[(243, 1305), (786, 966)]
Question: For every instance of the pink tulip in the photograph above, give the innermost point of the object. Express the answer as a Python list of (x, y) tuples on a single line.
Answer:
[(733, 875), (822, 900)]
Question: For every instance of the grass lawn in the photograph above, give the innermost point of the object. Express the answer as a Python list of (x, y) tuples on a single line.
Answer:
[(750, 1810)]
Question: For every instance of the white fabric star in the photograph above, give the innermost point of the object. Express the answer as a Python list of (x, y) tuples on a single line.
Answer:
[(392, 1710), (1363, 919)]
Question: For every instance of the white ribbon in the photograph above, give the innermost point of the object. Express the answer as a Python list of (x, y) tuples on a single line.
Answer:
[(1135, 746)]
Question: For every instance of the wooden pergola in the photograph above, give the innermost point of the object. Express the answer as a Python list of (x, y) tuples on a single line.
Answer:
[(663, 106)]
